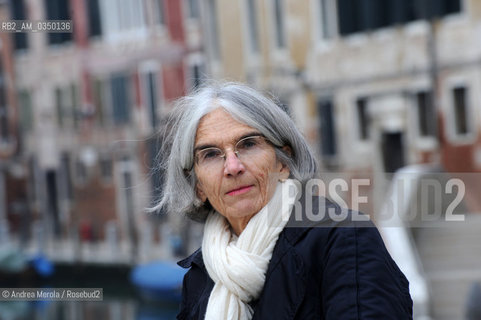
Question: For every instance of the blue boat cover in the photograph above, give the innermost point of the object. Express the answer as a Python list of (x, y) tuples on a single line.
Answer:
[(158, 275), (42, 265)]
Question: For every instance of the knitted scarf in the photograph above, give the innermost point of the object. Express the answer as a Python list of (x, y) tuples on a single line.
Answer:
[(238, 265)]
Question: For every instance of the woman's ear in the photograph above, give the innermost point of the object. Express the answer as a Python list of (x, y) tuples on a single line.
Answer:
[(287, 149), (285, 172)]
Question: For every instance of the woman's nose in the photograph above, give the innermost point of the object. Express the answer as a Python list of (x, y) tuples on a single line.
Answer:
[(233, 166)]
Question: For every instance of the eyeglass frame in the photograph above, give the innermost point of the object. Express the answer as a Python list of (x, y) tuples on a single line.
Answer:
[(224, 151)]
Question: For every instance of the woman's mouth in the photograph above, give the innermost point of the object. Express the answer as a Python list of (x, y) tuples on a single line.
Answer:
[(239, 191)]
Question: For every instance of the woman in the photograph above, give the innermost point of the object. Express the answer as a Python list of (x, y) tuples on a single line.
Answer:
[(234, 153)]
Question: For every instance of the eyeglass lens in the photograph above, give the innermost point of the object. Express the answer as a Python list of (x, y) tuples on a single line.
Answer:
[(244, 149)]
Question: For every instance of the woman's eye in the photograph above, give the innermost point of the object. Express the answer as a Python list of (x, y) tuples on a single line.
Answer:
[(210, 154), (247, 143)]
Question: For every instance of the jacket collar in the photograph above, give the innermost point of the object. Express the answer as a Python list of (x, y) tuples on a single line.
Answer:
[(194, 258)]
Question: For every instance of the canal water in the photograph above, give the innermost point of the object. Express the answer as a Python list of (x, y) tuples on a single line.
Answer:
[(121, 300)]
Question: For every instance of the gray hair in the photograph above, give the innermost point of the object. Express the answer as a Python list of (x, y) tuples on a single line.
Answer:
[(244, 104)]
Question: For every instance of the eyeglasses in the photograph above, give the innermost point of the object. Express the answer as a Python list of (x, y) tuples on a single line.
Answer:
[(244, 149)]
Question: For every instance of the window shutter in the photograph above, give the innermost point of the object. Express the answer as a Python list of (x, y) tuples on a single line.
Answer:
[(348, 16), (327, 128)]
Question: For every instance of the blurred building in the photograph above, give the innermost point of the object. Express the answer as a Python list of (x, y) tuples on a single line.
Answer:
[(375, 85), (13, 177), (397, 83), (90, 105)]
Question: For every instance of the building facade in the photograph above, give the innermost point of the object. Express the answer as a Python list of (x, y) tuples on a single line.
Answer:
[(91, 103), (12, 175), (395, 84)]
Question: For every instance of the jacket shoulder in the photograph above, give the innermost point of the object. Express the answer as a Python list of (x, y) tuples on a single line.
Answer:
[(194, 258), (345, 257)]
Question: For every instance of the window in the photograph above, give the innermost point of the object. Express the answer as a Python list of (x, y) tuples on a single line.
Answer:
[(19, 13), (4, 123), (81, 172), (197, 75), (59, 107), (327, 128), (392, 146), (439, 8), (426, 114), (213, 29), (51, 188), (131, 15), (75, 101), (193, 8), (348, 16), (362, 118), (363, 15), (58, 10), (195, 71), (26, 113), (279, 24), (253, 31), (158, 12), (122, 19), (99, 101), (150, 97), (327, 19), (105, 164), (125, 192), (374, 14), (66, 176), (66, 101), (102, 100), (127, 177), (402, 11), (34, 189), (95, 27), (120, 95), (460, 110)]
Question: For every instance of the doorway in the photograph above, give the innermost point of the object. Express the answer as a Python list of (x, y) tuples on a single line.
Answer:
[(392, 147)]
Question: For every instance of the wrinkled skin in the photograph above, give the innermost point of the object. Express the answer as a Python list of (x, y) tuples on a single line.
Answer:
[(238, 190)]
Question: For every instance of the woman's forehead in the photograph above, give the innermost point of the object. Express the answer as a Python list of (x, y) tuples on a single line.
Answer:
[(219, 126)]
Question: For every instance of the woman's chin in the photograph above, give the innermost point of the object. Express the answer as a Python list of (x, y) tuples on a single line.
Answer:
[(243, 209)]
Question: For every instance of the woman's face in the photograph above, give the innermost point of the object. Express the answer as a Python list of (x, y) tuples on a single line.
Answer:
[(236, 189)]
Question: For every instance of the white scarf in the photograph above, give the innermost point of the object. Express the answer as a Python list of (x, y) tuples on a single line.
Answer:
[(238, 265)]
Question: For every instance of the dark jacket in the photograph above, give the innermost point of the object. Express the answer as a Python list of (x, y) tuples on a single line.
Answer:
[(318, 270)]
